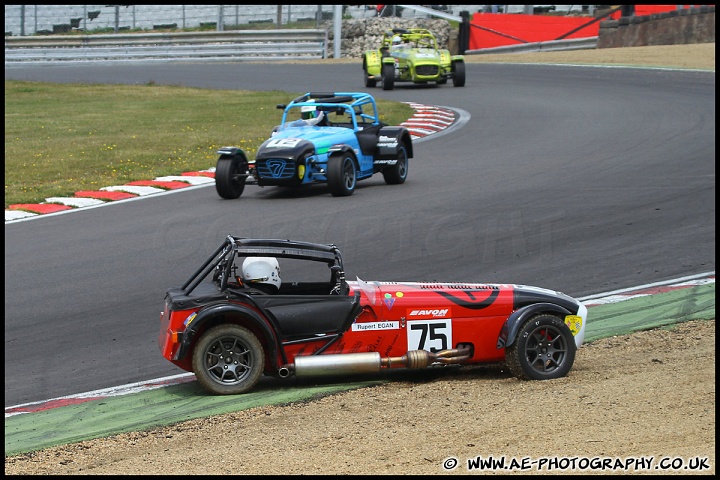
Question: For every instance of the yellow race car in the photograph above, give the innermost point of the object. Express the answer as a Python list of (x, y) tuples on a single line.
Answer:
[(411, 55)]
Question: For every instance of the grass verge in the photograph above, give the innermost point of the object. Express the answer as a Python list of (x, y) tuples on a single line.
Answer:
[(62, 138)]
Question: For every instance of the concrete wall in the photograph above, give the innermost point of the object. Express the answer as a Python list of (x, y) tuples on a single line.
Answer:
[(691, 25)]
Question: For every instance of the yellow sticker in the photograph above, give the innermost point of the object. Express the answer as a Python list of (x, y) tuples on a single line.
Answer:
[(574, 323)]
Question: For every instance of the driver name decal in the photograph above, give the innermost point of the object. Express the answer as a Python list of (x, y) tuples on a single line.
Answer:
[(370, 326)]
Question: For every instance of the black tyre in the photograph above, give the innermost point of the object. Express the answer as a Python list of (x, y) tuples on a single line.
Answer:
[(230, 176), (543, 350), (341, 174), (369, 81), (458, 78), (396, 174), (388, 76), (228, 360)]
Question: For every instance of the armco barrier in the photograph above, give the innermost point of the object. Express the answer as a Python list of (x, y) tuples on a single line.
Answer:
[(550, 46), (206, 46)]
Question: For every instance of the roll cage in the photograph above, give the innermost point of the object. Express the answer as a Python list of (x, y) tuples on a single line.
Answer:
[(360, 108), (414, 37), (221, 262)]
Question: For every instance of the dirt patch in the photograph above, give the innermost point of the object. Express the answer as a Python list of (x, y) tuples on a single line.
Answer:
[(650, 394)]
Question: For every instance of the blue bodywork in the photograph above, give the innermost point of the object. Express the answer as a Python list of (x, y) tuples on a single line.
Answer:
[(335, 138), (297, 152)]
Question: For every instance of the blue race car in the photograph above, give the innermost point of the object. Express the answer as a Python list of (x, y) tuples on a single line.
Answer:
[(334, 138)]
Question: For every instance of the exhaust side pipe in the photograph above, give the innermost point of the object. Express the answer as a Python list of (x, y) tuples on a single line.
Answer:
[(335, 364)]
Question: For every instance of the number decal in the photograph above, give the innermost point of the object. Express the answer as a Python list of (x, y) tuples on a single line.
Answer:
[(283, 142), (430, 335)]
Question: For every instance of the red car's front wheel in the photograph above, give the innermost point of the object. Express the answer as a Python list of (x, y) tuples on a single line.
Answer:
[(543, 350)]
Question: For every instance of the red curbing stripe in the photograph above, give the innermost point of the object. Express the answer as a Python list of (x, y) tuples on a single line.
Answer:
[(426, 125), (60, 402), (104, 195), (40, 207), (417, 133), (198, 174), (156, 183)]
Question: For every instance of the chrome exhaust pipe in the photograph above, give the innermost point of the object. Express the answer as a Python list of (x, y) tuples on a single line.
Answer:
[(334, 364), (337, 364)]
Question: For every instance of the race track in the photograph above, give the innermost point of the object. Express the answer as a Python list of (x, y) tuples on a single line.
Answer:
[(579, 179)]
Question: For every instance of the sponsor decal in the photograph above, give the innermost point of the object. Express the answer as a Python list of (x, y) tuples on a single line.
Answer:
[(389, 300), (471, 302), (428, 312), (372, 326), (385, 162), (276, 167), (189, 319), (574, 323)]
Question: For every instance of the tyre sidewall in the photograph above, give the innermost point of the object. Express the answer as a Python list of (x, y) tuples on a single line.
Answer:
[(516, 357), (248, 340), (224, 170), (336, 174)]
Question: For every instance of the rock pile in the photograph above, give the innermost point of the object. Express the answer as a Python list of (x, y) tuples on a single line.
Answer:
[(359, 35)]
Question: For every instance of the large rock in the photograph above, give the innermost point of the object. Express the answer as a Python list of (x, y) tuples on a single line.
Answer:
[(359, 35)]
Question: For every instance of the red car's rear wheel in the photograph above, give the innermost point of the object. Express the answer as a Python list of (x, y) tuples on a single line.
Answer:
[(228, 359)]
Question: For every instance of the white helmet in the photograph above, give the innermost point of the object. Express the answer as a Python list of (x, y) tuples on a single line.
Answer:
[(396, 40), (307, 112), (261, 270)]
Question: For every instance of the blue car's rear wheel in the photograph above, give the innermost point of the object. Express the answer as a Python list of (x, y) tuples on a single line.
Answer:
[(341, 174), (396, 174), (544, 349)]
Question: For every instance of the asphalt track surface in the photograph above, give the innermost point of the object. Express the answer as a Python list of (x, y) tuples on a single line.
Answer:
[(579, 179)]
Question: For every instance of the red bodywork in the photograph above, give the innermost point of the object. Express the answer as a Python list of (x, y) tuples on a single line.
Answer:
[(395, 318)]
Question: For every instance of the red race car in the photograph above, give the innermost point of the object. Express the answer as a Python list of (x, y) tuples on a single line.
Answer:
[(237, 318)]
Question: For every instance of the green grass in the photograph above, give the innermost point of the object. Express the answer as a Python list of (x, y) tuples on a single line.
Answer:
[(62, 138)]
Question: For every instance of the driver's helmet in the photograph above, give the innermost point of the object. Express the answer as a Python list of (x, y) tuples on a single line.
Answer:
[(261, 270), (396, 40), (307, 112)]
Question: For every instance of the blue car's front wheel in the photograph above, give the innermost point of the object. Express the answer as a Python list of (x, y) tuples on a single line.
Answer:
[(230, 175), (341, 174)]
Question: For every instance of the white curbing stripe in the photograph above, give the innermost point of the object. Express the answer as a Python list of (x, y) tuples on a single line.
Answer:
[(137, 190), (17, 214), (75, 201), (198, 180)]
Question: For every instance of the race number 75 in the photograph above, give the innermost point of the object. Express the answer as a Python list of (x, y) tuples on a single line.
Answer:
[(430, 335)]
